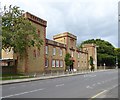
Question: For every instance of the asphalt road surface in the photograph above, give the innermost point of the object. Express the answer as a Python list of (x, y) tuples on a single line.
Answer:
[(93, 85)]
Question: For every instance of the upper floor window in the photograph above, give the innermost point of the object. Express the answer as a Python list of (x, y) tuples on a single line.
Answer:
[(46, 48), (54, 51), (7, 51), (78, 55), (72, 53), (61, 52)]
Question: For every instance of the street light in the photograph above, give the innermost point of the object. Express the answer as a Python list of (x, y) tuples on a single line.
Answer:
[(116, 62)]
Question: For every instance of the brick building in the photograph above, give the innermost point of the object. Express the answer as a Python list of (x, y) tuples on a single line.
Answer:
[(52, 53)]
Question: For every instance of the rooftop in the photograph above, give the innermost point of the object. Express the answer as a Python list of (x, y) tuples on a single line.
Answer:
[(54, 43), (65, 34), (35, 19)]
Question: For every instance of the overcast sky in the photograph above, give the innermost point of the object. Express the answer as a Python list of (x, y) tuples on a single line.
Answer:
[(87, 19)]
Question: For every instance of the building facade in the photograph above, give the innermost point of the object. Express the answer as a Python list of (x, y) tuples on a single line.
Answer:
[(51, 55)]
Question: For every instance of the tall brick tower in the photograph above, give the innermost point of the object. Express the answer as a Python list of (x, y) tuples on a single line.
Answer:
[(70, 41), (35, 61), (91, 49)]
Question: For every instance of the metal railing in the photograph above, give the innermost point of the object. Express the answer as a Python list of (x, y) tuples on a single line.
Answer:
[(51, 73)]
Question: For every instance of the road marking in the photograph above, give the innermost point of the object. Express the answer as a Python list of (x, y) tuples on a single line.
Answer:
[(113, 87), (88, 87), (94, 84), (99, 94), (89, 75), (98, 83), (59, 85), (22, 93)]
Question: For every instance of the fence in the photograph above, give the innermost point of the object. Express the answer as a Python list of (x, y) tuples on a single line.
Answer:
[(48, 73), (8, 69)]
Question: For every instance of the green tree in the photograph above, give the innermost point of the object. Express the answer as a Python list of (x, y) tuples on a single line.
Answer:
[(18, 33), (68, 62)]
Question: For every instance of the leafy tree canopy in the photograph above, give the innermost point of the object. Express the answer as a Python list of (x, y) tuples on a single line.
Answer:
[(18, 33), (68, 62)]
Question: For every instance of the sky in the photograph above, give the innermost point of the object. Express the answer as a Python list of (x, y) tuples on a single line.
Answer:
[(87, 19)]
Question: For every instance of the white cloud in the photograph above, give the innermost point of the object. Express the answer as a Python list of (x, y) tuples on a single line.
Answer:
[(86, 19)]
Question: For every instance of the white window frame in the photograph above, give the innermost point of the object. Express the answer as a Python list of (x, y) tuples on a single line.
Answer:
[(54, 51), (57, 63), (53, 63), (61, 52), (61, 63), (46, 48)]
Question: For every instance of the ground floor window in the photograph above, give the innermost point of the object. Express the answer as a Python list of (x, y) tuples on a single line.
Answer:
[(61, 63), (57, 63), (46, 63), (53, 63)]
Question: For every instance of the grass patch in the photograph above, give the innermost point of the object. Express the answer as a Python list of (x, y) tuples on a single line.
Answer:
[(13, 76)]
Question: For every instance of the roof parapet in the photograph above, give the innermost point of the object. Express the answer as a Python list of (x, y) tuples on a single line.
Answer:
[(65, 34), (35, 19)]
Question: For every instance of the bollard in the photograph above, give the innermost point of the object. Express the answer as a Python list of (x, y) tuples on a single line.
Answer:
[(35, 75), (43, 74)]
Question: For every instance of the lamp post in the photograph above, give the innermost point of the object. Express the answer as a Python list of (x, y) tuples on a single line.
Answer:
[(116, 62)]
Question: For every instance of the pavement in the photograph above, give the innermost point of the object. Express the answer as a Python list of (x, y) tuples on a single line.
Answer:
[(4, 82), (99, 84)]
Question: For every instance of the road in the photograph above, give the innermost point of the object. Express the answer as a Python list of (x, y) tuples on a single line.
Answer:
[(92, 85)]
